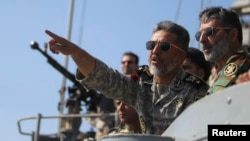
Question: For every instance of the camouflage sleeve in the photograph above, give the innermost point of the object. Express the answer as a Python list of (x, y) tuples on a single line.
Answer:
[(110, 83), (202, 92), (199, 88), (195, 95)]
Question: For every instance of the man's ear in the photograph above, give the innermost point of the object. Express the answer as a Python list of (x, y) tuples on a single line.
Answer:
[(233, 34)]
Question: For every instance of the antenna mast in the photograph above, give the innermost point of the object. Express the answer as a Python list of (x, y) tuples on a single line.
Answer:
[(63, 87)]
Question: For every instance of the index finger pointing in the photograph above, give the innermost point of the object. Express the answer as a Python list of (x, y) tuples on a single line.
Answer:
[(53, 35), (57, 38)]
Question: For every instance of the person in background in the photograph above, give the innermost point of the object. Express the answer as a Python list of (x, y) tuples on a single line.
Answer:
[(195, 63), (220, 35), (105, 122), (158, 99), (128, 117), (129, 63)]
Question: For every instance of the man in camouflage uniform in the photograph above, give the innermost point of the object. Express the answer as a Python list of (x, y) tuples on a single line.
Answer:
[(221, 37), (196, 63), (158, 99)]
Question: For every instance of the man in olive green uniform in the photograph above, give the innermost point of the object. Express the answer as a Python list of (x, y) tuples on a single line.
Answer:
[(221, 37), (159, 98)]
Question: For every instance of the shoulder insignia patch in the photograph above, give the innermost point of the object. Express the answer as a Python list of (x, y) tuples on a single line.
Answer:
[(178, 85), (194, 79), (230, 69)]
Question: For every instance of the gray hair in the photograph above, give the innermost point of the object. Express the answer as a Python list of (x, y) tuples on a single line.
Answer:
[(227, 18), (181, 33)]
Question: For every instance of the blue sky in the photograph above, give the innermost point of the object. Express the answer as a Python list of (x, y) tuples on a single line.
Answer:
[(105, 28)]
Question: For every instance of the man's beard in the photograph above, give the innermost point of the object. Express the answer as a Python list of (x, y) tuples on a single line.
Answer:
[(165, 69), (219, 49)]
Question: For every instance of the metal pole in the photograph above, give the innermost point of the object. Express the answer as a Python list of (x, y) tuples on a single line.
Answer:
[(38, 127), (62, 90), (178, 11)]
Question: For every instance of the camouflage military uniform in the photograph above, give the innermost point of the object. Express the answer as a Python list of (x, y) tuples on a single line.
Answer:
[(157, 105), (236, 64)]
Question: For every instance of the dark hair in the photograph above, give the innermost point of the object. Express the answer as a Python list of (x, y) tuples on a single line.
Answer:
[(197, 57), (227, 18), (182, 35), (129, 53)]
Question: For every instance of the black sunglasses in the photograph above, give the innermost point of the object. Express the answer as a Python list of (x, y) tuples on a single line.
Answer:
[(209, 31), (150, 45)]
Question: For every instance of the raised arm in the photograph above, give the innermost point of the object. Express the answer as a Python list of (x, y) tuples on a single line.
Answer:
[(84, 61)]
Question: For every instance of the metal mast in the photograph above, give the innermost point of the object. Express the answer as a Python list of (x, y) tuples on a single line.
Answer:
[(63, 87)]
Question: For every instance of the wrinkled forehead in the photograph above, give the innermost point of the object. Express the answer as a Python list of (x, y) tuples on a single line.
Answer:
[(162, 35), (210, 22)]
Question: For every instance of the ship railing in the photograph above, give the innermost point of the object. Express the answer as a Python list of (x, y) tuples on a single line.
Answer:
[(39, 118)]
